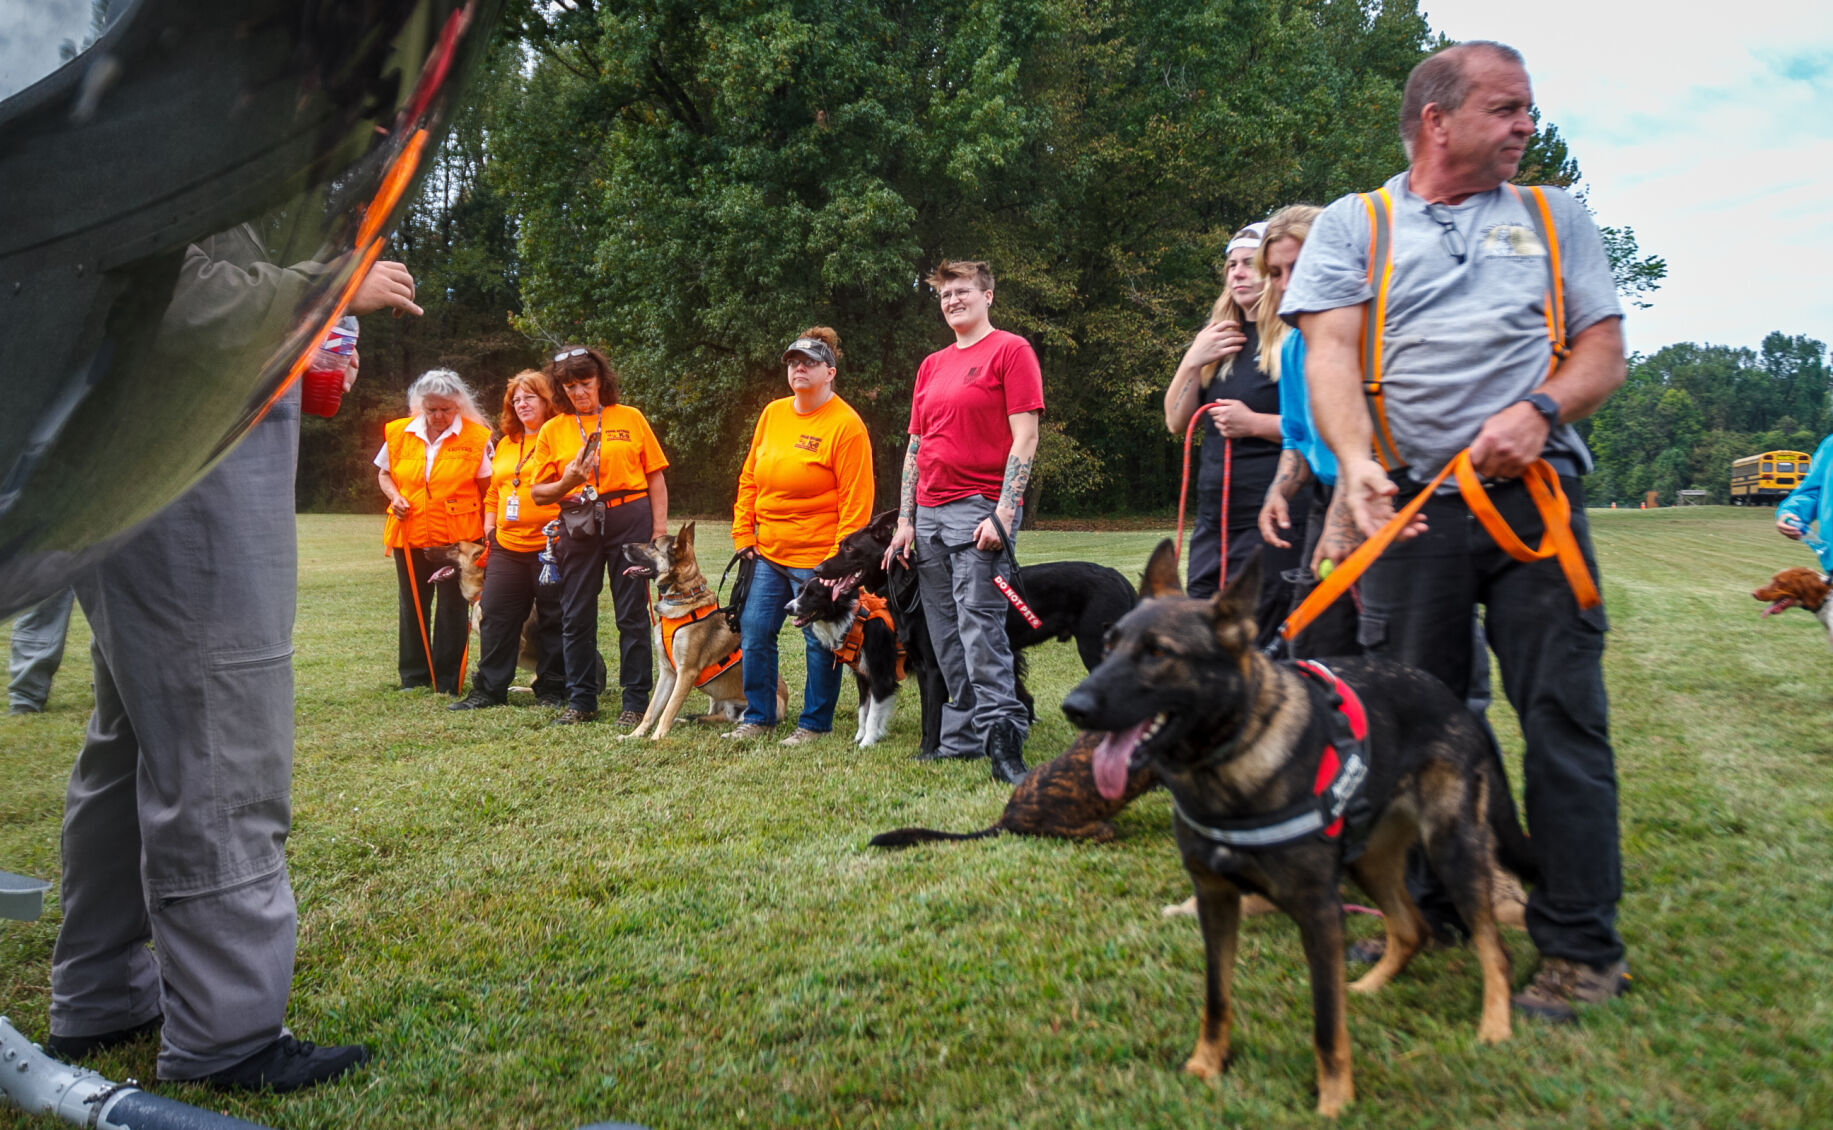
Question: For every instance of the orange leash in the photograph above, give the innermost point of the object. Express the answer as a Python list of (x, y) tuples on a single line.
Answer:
[(1183, 493), (413, 583), (1557, 542)]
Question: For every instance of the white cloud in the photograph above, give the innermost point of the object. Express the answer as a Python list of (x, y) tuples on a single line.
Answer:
[(1710, 133)]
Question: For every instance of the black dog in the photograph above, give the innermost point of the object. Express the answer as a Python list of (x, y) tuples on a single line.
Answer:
[(1076, 600), (857, 628), (1282, 777)]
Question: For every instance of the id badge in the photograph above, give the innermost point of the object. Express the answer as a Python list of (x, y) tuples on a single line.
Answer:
[(512, 509)]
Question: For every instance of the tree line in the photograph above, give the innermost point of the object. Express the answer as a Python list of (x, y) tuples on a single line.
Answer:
[(687, 185)]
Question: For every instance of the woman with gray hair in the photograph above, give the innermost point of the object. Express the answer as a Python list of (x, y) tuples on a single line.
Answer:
[(434, 468)]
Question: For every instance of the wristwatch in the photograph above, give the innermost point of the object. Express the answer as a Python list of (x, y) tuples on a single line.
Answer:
[(1543, 404)]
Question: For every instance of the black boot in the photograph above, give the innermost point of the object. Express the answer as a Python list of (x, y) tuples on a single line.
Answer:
[(1006, 750)]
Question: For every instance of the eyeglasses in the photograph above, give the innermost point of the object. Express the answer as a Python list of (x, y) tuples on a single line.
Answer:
[(958, 292), (580, 352), (1454, 240)]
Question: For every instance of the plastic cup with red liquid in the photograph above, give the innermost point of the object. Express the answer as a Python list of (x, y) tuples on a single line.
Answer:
[(323, 384)]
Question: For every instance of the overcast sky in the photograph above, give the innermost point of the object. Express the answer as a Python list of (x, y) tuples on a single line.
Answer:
[(1709, 131)]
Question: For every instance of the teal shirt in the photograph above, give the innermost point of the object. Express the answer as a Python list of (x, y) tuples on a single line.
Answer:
[(1811, 503), (1297, 430)]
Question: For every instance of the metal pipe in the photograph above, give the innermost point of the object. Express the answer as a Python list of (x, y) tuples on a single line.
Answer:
[(38, 1084)]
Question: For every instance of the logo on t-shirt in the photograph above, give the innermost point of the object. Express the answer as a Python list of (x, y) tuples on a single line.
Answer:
[(973, 372), (617, 435), (1511, 241), (808, 443)]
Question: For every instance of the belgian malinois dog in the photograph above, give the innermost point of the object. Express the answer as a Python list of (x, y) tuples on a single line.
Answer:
[(696, 647), (1243, 744)]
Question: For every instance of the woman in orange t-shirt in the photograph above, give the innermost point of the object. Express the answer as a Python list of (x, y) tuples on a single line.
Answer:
[(513, 537), (806, 483), (433, 468), (601, 463)]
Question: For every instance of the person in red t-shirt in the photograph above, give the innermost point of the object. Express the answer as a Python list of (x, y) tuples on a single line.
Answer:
[(973, 435)]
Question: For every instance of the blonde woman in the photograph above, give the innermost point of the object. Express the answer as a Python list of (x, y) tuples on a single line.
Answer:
[(1220, 376)]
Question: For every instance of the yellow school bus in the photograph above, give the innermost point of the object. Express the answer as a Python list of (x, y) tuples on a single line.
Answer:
[(1761, 480)]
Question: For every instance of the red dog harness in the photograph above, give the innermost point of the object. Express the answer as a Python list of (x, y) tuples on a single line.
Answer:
[(1341, 772), (870, 608), (673, 624)]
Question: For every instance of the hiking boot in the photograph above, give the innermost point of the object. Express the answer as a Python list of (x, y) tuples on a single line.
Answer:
[(630, 718), (288, 1065), (1006, 750), (803, 737), (1563, 983), (72, 1048), (476, 700), (572, 716), (748, 730), (550, 701)]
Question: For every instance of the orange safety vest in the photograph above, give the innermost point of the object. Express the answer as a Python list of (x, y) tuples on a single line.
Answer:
[(870, 608), (1542, 482), (445, 507), (673, 624)]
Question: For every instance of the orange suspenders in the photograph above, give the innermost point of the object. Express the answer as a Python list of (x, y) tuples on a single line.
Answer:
[(1542, 481)]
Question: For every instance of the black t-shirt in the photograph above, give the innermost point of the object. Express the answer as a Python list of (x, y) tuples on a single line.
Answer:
[(1255, 460)]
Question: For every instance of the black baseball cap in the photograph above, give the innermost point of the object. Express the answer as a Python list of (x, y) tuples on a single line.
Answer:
[(812, 348)]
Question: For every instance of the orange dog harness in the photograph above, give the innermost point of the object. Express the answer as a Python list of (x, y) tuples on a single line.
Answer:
[(870, 608), (672, 624)]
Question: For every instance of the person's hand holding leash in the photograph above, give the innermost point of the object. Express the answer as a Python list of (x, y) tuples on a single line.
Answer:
[(901, 541), (986, 534), (1339, 539), (1232, 418), (398, 507), (1510, 440)]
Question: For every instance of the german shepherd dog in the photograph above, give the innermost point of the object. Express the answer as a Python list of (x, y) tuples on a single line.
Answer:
[(830, 609), (1075, 600), (682, 591), (463, 558), (1237, 738)]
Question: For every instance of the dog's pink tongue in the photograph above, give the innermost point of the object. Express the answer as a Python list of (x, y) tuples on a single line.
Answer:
[(1779, 606), (1111, 756), (442, 574)]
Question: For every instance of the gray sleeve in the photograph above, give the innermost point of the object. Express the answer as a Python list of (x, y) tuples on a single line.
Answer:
[(1591, 288), (1332, 269)]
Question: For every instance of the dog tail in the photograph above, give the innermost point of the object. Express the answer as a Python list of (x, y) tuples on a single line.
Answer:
[(906, 837), (1513, 848)]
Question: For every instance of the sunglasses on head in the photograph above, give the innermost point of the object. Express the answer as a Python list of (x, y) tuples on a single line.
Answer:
[(579, 352)]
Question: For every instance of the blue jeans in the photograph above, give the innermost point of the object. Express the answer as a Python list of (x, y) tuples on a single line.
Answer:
[(766, 607)]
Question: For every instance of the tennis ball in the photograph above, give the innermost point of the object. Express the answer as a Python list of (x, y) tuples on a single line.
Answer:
[(1325, 568)]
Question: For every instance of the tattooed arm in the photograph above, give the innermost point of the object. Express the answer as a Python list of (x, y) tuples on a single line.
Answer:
[(1341, 535), (906, 507), (1276, 511), (1018, 476)]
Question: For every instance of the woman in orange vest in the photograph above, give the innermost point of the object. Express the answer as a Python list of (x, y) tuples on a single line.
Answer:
[(600, 461), (513, 523), (806, 483), (434, 467)]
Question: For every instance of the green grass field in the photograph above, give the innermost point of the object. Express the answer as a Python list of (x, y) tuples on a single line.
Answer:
[(542, 928)]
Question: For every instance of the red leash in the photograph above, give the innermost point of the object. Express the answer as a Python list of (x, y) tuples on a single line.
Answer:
[(1183, 492)]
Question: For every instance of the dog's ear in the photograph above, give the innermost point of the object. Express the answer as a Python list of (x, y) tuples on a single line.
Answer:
[(1238, 602), (884, 526), (685, 539), (1161, 577)]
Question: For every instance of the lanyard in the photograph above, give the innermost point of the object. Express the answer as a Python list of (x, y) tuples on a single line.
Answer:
[(516, 480)]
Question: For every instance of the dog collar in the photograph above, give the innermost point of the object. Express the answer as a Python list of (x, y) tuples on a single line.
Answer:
[(1342, 770)]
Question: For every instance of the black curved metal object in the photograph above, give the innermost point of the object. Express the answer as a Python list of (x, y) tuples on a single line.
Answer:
[(129, 359)]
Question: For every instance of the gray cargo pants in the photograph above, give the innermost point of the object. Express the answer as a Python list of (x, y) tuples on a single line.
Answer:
[(966, 615), (177, 814), (36, 651)]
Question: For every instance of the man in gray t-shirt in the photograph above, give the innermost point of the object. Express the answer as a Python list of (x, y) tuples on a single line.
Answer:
[(1466, 363)]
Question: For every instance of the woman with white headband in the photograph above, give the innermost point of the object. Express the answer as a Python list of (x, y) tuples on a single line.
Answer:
[(1220, 377)]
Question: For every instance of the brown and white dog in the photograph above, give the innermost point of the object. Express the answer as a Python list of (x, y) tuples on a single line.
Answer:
[(1799, 587), (690, 635)]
